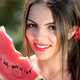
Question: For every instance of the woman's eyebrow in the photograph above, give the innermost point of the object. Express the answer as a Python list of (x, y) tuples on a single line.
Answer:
[(50, 23), (32, 21)]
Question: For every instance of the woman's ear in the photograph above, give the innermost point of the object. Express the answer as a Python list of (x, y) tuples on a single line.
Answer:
[(72, 32)]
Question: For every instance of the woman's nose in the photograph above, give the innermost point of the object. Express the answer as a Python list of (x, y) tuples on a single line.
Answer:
[(41, 36)]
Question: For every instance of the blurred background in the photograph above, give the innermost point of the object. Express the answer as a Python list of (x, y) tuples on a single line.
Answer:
[(10, 17)]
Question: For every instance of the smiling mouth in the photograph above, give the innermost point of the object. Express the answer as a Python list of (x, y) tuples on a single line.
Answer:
[(41, 47)]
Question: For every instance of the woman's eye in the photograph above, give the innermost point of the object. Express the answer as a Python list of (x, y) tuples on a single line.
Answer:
[(30, 25), (52, 27)]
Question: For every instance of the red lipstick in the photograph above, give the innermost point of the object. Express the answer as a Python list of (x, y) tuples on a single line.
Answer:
[(40, 47)]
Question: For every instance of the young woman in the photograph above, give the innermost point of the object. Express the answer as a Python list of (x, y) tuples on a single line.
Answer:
[(52, 39), (50, 29)]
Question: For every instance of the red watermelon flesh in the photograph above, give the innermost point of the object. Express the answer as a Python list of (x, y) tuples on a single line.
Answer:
[(13, 65)]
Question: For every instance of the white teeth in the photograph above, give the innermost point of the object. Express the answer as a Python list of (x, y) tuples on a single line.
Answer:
[(41, 46)]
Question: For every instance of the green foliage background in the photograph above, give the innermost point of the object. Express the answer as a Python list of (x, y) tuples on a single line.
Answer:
[(10, 17)]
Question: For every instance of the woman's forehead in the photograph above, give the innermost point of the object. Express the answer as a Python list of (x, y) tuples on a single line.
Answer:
[(40, 13)]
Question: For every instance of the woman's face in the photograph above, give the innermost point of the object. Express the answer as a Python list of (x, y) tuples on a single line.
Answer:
[(41, 32)]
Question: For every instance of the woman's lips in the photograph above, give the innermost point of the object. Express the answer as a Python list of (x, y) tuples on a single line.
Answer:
[(41, 47)]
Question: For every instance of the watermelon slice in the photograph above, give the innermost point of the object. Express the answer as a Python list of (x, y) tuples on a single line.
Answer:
[(13, 66)]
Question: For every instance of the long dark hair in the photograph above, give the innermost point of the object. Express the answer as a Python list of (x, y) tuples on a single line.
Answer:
[(66, 18), (74, 52)]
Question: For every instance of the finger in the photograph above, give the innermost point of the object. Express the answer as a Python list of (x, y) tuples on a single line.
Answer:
[(2, 28)]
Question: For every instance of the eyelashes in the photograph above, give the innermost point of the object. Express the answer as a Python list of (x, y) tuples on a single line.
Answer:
[(31, 25), (50, 27)]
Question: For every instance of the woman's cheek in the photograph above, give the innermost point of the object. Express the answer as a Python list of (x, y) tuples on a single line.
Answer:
[(30, 37), (53, 38)]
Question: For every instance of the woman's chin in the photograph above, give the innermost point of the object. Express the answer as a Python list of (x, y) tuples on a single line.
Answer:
[(43, 57)]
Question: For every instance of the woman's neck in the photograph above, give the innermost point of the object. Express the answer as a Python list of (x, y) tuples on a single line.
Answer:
[(51, 67)]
